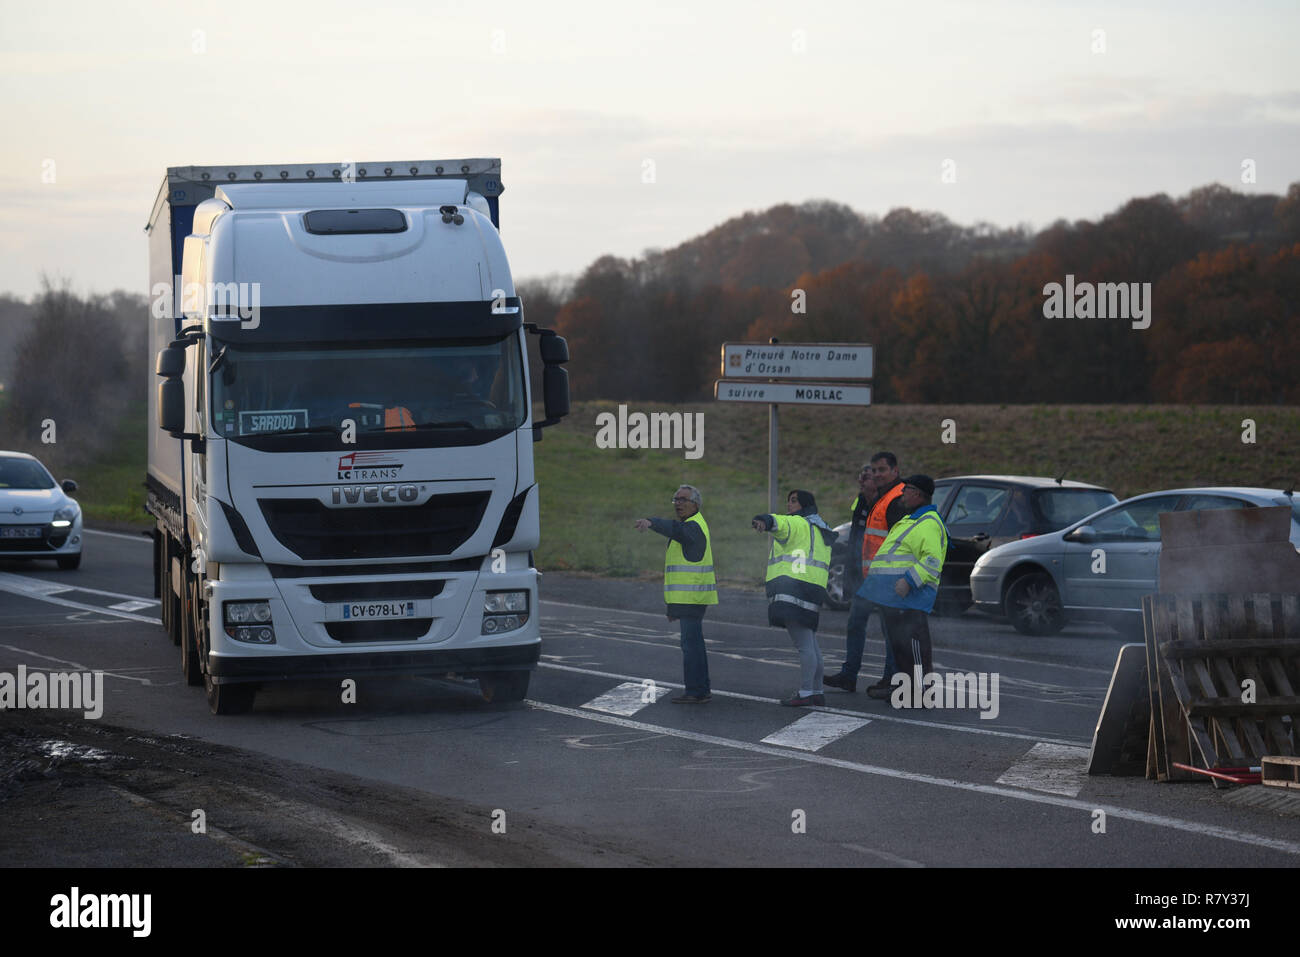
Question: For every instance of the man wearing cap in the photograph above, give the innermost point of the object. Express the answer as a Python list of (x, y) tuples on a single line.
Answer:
[(904, 576), (690, 585)]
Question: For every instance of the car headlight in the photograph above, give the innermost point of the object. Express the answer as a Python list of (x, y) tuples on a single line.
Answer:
[(65, 516)]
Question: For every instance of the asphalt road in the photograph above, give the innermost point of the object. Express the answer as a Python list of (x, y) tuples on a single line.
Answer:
[(599, 755)]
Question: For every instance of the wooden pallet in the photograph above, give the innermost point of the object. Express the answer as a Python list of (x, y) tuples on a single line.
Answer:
[(1201, 649), (1281, 771)]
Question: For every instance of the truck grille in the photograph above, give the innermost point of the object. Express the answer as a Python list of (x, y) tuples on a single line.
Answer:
[(311, 531)]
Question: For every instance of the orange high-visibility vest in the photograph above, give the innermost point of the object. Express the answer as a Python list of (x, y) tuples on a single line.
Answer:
[(877, 526)]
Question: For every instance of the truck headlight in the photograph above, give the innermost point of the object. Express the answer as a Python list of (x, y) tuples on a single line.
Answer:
[(249, 621), (504, 611)]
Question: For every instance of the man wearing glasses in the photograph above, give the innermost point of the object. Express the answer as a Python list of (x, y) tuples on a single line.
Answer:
[(690, 585)]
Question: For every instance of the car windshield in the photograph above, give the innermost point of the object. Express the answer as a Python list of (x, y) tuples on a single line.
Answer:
[(460, 387), (1059, 507), (24, 473)]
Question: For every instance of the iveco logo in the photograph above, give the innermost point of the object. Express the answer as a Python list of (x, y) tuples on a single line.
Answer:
[(373, 494)]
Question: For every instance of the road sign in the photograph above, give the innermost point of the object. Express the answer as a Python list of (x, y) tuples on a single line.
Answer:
[(797, 360), (793, 393)]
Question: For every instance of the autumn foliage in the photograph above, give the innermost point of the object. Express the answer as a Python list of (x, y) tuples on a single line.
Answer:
[(956, 313)]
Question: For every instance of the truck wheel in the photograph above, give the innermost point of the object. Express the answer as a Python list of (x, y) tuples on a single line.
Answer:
[(499, 687), (190, 660), (229, 699), (1034, 606)]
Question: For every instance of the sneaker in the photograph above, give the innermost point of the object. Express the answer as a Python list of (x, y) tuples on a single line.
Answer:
[(804, 701), (692, 699), (841, 681)]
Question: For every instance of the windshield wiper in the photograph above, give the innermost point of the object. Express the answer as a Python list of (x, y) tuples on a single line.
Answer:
[(458, 424), (332, 429)]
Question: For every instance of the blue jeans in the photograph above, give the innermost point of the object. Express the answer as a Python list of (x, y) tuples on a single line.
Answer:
[(695, 661), (855, 635)]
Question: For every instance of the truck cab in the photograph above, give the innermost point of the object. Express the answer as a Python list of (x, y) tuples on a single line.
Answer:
[(342, 469)]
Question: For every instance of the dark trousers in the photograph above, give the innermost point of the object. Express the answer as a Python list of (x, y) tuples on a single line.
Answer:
[(908, 632), (855, 639), (695, 661)]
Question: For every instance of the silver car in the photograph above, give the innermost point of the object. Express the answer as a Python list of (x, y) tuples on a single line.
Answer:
[(37, 518), (1040, 583)]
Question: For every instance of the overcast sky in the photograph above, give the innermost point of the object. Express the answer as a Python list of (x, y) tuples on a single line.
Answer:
[(1044, 110)]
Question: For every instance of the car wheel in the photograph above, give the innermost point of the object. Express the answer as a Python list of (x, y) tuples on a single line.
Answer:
[(836, 599), (500, 687), (69, 562), (1034, 606)]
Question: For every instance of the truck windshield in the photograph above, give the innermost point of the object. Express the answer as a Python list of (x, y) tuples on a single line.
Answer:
[(455, 389)]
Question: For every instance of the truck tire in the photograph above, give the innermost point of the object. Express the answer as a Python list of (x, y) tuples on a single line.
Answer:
[(500, 687), (190, 659), (229, 699)]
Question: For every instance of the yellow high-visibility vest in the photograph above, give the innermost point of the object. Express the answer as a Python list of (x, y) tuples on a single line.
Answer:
[(686, 582)]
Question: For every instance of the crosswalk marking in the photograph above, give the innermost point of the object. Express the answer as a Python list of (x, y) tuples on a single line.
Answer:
[(815, 730), (1053, 768), (628, 698), (134, 605)]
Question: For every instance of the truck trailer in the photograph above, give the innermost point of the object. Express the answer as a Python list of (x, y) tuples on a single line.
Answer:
[(340, 447)]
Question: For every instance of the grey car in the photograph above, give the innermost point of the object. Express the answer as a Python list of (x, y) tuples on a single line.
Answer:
[(1040, 583)]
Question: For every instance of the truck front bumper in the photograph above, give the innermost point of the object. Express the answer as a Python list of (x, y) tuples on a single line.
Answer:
[(461, 661)]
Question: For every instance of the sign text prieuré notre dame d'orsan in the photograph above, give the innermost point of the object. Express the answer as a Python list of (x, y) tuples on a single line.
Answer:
[(795, 360)]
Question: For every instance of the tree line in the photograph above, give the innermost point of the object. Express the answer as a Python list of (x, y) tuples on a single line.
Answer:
[(956, 313)]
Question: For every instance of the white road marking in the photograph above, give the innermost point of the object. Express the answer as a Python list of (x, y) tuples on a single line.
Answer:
[(1083, 807), (143, 539), (74, 665), (135, 604), (883, 855), (30, 588), (628, 698), (35, 587), (946, 651), (1051, 768), (967, 729), (814, 731), (44, 586)]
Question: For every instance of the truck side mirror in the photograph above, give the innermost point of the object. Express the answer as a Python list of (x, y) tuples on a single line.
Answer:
[(171, 403), (554, 350), (171, 361), (555, 389)]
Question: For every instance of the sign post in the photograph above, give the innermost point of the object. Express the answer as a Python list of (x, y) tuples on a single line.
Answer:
[(773, 372)]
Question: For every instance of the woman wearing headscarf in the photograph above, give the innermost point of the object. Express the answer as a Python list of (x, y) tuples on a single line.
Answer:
[(797, 569)]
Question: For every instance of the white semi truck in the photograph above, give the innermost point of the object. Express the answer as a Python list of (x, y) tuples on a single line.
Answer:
[(340, 451)]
